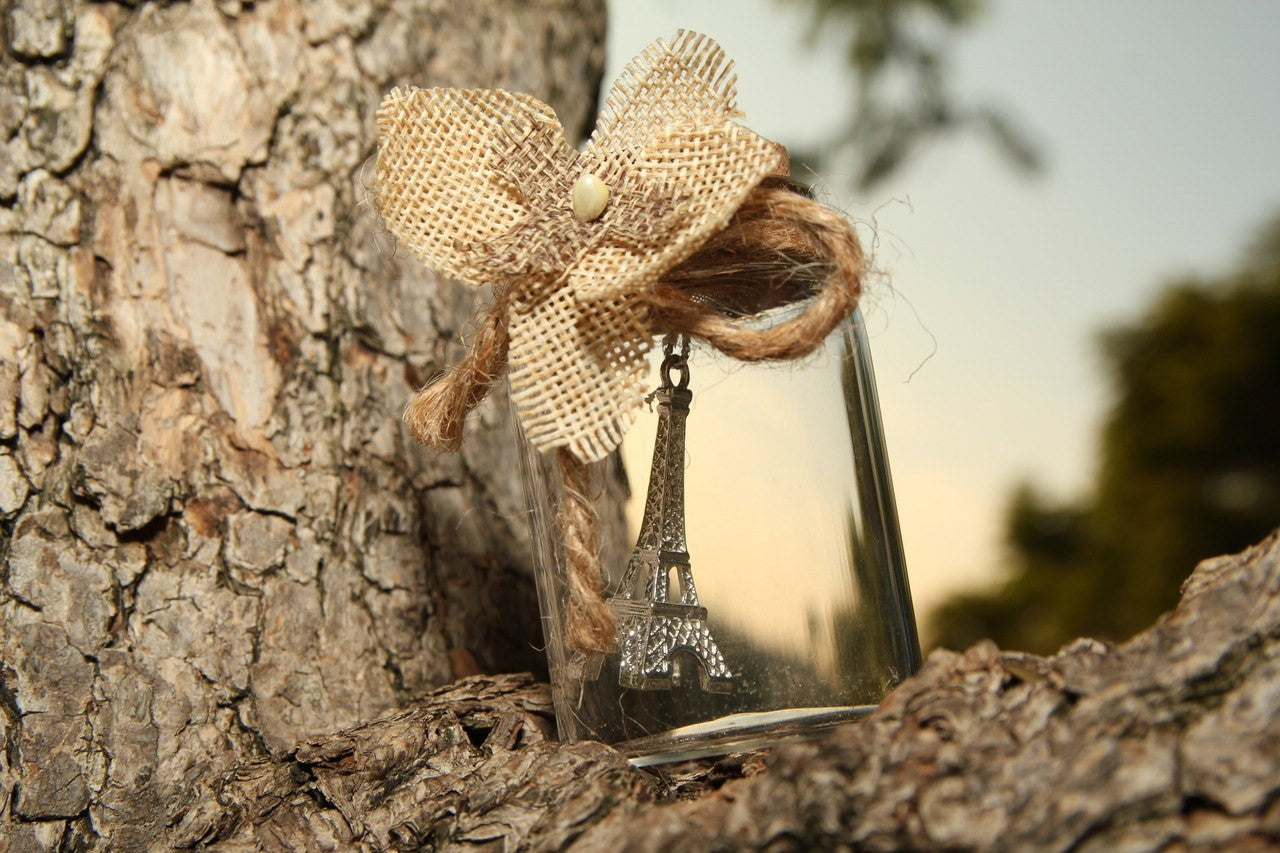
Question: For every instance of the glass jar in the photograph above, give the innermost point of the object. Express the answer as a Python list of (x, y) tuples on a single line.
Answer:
[(758, 582)]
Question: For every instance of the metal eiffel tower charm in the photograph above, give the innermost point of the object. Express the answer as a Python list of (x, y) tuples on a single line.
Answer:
[(660, 638)]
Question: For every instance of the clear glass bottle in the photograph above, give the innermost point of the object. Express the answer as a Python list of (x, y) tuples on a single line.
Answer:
[(760, 587)]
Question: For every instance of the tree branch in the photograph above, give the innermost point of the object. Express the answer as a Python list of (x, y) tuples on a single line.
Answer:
[(1170, 738)]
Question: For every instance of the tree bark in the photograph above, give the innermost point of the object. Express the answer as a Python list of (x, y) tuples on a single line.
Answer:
[(216, 537), (1169, 741)]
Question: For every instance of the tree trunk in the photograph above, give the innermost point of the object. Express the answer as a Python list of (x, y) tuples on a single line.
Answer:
[(216, 537), (1170, 741)]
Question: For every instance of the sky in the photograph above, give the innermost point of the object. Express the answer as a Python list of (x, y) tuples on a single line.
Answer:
[(1159, 125)]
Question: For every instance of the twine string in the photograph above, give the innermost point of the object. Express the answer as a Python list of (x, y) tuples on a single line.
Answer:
[(436, 414), (589, 624)]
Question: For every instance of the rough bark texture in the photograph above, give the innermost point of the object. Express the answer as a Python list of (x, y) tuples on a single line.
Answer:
[(215, 537), (1170, 741)]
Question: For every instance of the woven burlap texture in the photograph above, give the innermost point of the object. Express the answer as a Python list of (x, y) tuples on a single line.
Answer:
[(478, 184)]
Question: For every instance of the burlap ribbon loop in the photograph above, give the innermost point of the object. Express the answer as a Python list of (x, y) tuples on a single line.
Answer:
[(478, 183), (695, 233)]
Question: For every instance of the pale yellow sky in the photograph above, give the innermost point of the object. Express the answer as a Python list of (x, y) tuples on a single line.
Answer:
[(1159, 123), (768, 483)]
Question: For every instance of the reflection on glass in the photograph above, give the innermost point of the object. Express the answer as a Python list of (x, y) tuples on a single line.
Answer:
[(794, 565)]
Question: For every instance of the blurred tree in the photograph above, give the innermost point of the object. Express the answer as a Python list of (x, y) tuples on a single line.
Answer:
[(1190, 468), (898, 51)]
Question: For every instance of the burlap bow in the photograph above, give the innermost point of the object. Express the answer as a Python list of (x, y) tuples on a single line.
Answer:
[(667, 221), (479, 183)]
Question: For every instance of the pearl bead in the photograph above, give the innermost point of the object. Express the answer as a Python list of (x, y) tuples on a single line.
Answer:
[(590, 197)]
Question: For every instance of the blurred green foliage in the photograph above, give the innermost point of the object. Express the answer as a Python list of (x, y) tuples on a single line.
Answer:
[(898, 51), (1190, 469)]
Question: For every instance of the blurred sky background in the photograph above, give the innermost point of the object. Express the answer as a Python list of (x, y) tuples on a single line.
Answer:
[(1159, 126)]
